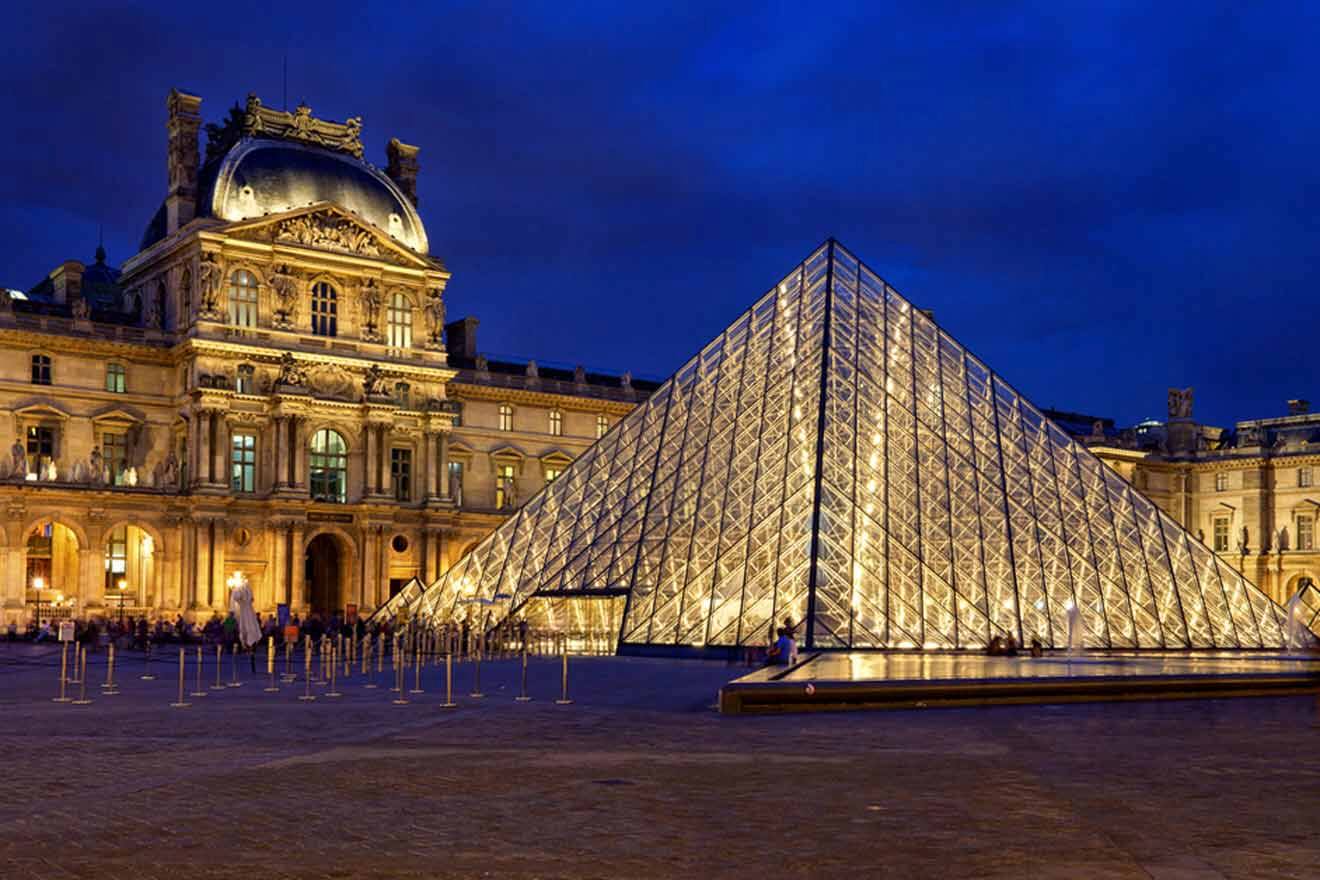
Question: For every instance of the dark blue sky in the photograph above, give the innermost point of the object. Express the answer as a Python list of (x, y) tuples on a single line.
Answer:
[(1099, 201)]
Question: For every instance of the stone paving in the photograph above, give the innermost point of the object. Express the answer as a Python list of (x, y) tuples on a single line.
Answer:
[(640, 778)]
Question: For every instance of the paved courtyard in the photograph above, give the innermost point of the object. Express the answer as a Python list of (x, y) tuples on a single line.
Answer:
[(639, 778)]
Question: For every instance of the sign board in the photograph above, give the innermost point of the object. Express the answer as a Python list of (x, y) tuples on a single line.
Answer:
[(317, 516), (66, 630)]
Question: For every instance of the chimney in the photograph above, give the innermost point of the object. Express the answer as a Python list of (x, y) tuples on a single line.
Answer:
[(461, 337), (181, 158), (1299, 407), (66, 281), (402, 167)]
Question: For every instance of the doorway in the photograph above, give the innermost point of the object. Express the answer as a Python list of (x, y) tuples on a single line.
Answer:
[(322, 575)]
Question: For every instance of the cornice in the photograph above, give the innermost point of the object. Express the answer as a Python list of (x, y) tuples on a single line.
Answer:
[(271, 354), (500, 394)]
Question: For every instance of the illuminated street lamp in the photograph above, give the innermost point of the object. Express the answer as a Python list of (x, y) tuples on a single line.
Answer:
[(123, 597), (37, 585)]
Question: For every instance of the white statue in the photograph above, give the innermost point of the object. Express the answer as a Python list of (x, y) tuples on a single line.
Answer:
[(240, 603)]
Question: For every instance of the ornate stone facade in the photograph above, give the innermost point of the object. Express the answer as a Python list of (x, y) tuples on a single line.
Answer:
[(275, 396)]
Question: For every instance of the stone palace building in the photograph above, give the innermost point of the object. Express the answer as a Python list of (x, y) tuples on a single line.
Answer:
[(269, 386)]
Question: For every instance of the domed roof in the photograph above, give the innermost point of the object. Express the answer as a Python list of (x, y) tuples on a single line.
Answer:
[(261, 176)]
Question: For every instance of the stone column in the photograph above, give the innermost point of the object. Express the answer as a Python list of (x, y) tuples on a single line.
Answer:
[(442, 468), (91, 578), (222, 434), (427, 487), (369, 461), (219, 591), (300, 453), (276, 534), (280, 449), (298, 588), (201, 567)]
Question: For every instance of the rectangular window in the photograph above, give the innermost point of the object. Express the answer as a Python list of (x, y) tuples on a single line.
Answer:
[(243, 463), (1221, 534), (552, 474), (245, 382), (506, 417), (114, 453), (402, 395), (556, 423), (115, 378), (602, 425), (1304, 477), (504, 488), (40, 447), (1221, 482), (40, 369), (401, 473), (1305, 532)]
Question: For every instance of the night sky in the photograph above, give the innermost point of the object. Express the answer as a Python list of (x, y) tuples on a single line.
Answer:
[(1100, 202)]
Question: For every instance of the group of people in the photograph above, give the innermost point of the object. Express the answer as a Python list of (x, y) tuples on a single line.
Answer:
[(1007, 646)]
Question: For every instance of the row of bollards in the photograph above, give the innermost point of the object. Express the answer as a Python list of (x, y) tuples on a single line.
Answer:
[(330, 654)]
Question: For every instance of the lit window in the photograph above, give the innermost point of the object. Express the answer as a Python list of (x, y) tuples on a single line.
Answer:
[(1221, 534), (40, 446), (556, 423), (401, 473), (399, 322), (40, 369), (402, 395), (1221, 482), (245, 382), (325, 310), (456, 481), (328, 466), (504, 487), (114, 453), (243, 463), (602, 425), (1305, 532), (115, 378), (1304, 477), (116, 560), (506, 417), (242, 299), (552, 474)]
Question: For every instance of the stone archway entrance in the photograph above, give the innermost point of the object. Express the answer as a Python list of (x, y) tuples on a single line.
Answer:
[(323, 574)]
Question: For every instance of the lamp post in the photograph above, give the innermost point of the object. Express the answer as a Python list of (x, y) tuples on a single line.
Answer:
[(123, 596), (37, 585)]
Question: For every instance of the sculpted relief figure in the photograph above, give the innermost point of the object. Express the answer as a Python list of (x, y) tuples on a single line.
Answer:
[(291, 372), (284, 284), (208, 283), (81, 311), (369, 301), (18, 459), (434, 312), (374, 383), (1180, 403)]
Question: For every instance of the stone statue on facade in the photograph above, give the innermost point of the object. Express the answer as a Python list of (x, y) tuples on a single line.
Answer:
[(291, 372), (580, 375), (284, 284), (151, 317), (1244, 541), (374, 382), (483, 365), (625, 381), (510, 493), (18, 460), (533, 372), (1180, 403), (208, 284), (369, 301), (96, 465), (170, 471), (6, 300), (81, 310), (434, 313), (456, 486)]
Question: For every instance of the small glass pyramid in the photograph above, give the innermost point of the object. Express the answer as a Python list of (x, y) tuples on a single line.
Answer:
[(837, 459)]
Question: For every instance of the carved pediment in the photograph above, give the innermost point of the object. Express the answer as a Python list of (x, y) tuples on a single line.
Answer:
[(325, 227)]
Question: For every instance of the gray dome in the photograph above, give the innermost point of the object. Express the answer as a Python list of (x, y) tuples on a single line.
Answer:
[(266, 176)]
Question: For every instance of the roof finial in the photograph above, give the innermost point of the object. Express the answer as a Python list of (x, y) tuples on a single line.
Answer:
[(100, 244)]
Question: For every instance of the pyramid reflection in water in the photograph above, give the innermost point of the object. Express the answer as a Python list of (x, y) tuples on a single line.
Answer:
[(836, 458)]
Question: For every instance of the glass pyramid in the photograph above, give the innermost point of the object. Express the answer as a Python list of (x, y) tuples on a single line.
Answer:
[(837, 459)]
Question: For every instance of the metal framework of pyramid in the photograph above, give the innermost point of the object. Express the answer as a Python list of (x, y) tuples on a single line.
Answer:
[(837, 459)]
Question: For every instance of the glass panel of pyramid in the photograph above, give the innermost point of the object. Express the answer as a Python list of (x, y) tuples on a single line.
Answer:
[(834, 458)]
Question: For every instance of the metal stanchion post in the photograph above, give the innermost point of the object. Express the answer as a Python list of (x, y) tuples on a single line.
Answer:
[(108, 687), (476, 672), (271, 688), (233, 667), (180, 703), (399, 670), (367, 645), (334, 671), (198, 690), (146, 663), (64, 676), (380, 655), (563, 696), (289, 674), (449, 683), (77, 659), (522, 693), (417, 674), (219, 662), (82, 681), (346, 651), (394, 657), (307, 672)]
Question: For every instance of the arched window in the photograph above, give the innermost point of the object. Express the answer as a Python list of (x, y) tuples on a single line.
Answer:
[(325, 310), (399, 322), (242, 299), (328, 464), (556, 423)]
